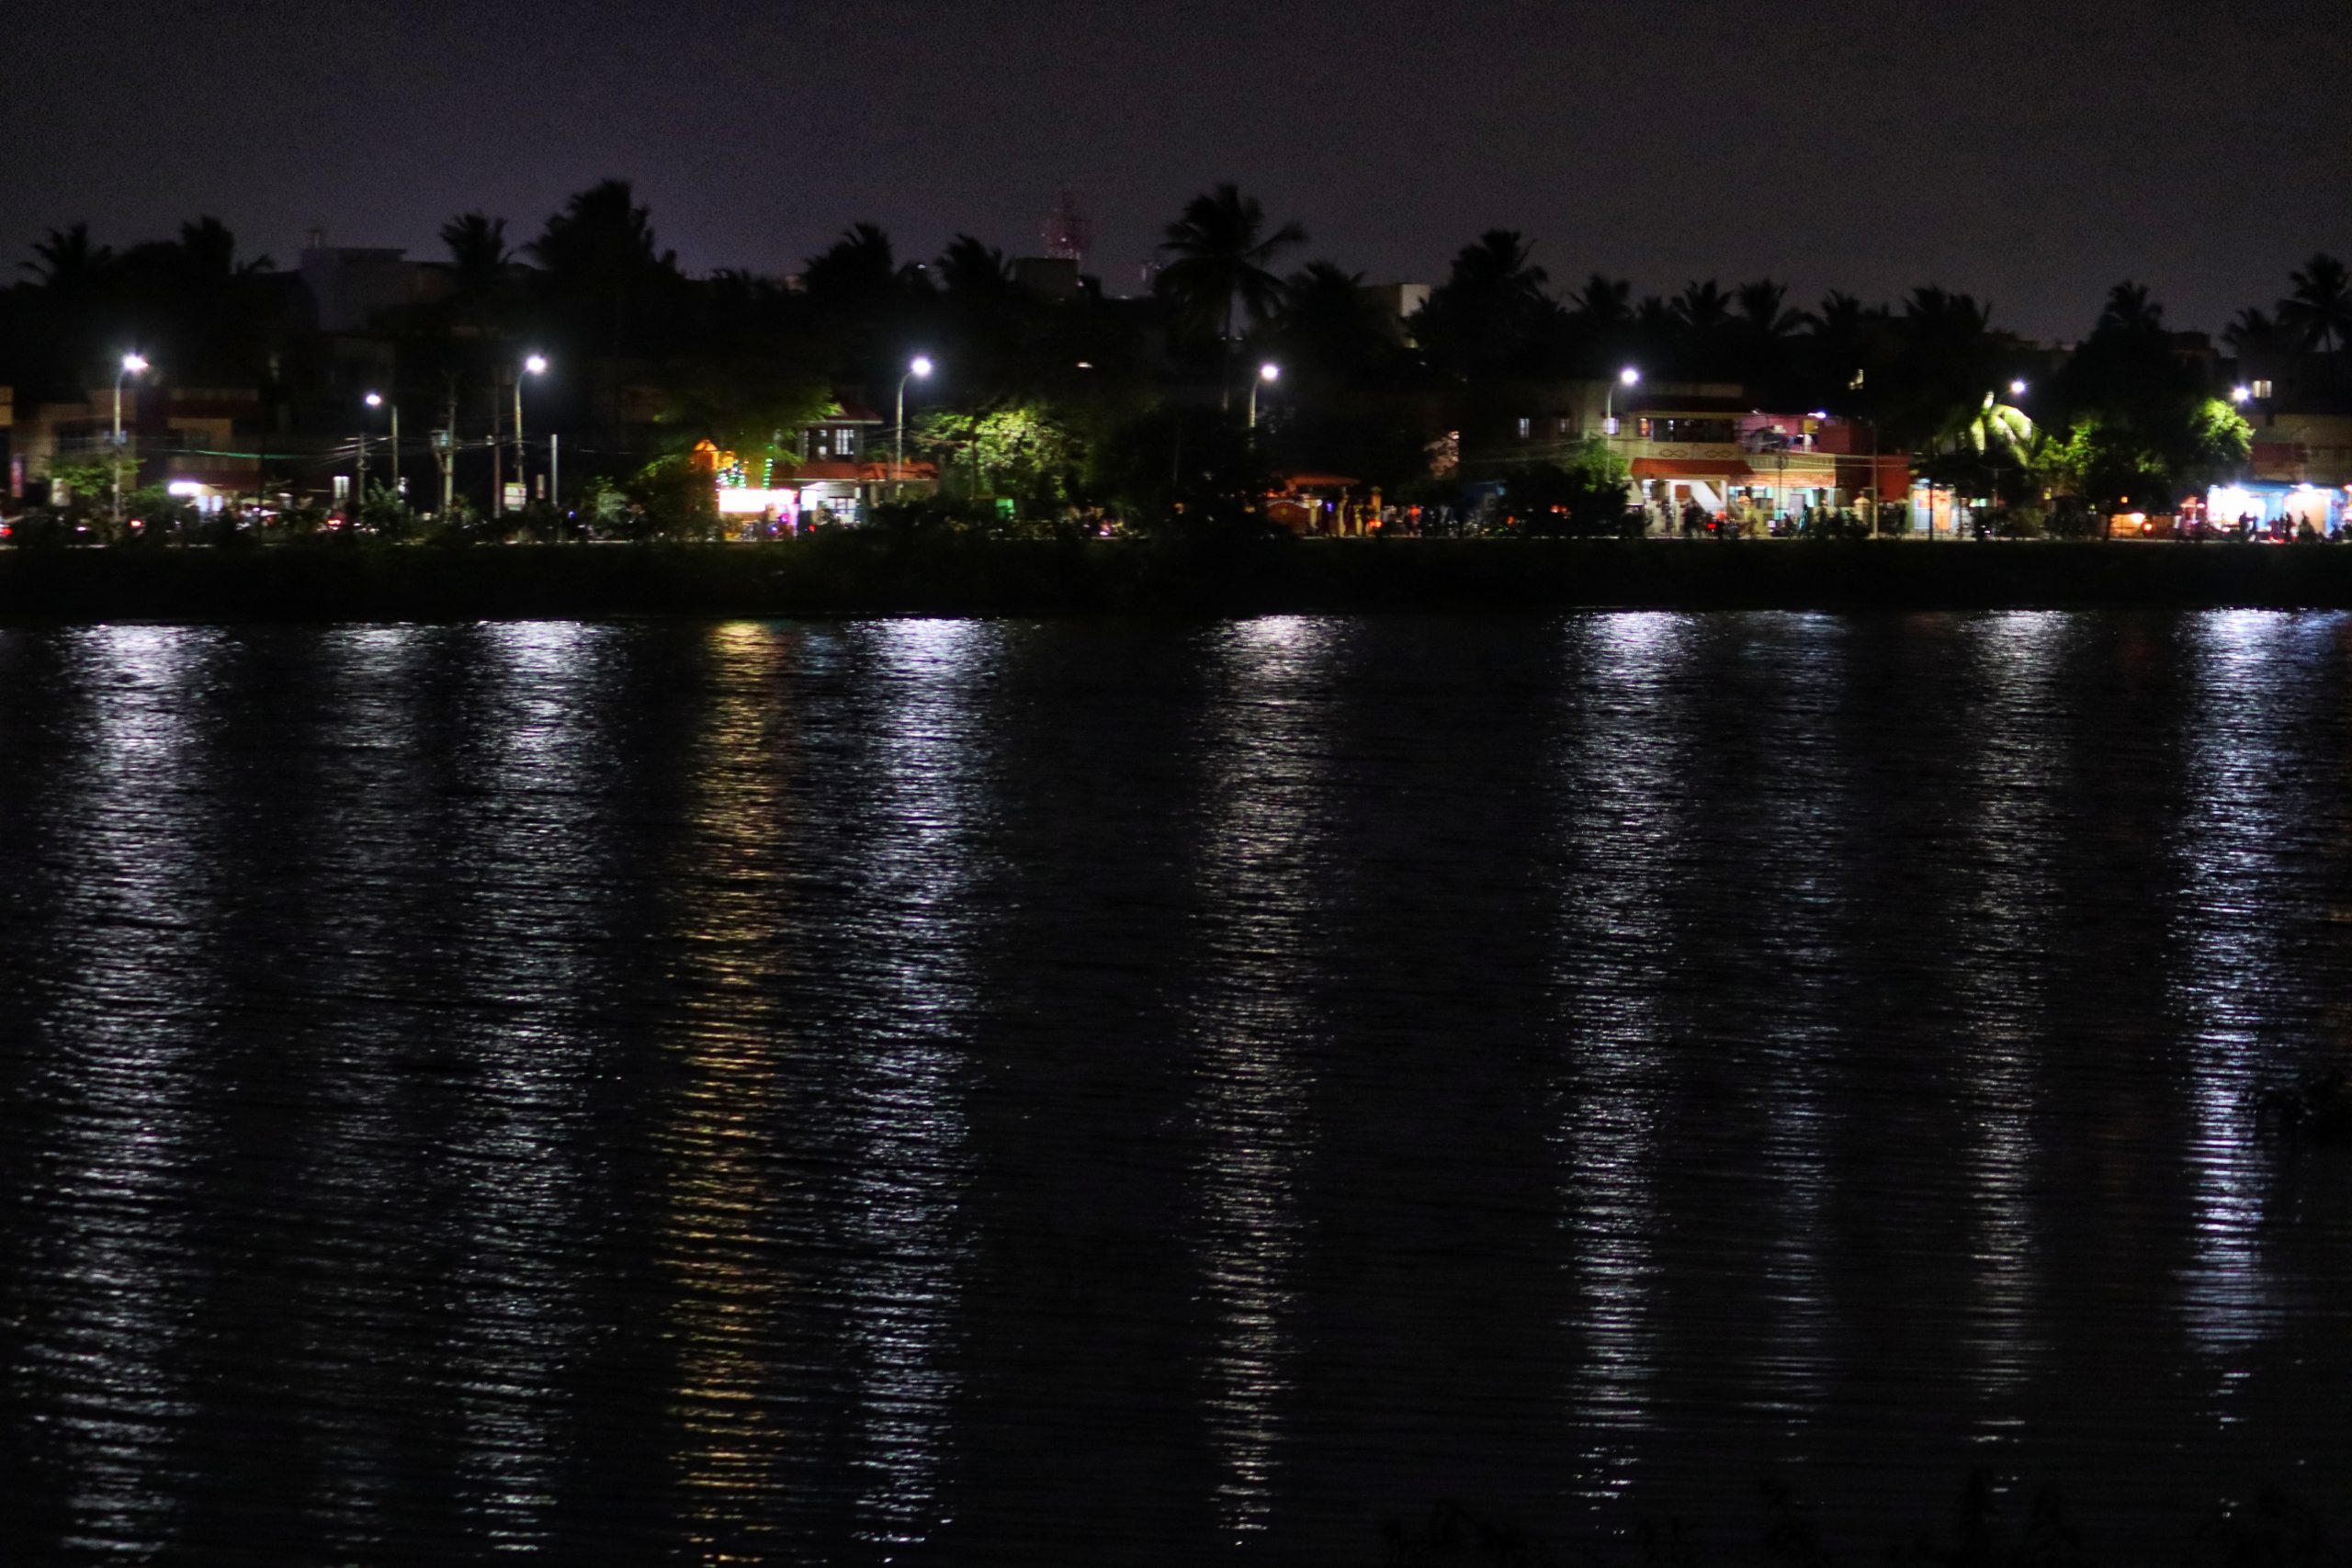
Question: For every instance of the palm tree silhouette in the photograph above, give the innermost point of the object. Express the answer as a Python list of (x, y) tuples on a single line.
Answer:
[(478, 254), (67, 263), (2129, 311), (2318, 314), (1223, 266)]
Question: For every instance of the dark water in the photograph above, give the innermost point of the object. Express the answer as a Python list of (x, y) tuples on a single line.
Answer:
[(1097, 1093)]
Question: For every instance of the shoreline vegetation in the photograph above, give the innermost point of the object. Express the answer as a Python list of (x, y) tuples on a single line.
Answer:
[(864, 574)]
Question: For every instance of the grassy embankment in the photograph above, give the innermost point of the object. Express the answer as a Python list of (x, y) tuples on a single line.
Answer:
[(872, 574)]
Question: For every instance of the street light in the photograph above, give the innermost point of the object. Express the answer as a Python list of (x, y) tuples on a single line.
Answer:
[(2016, 389), (2240, 394), (392, 454), (1268, 373), (919, 366), (1628, 377), (132, 364), (536, 365)]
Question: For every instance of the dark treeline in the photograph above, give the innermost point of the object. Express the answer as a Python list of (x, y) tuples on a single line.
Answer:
[(1059, 400)]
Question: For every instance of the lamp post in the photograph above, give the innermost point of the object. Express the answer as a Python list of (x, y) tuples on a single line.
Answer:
[(2239, 395), (535, 365), (132, 364), (392, 454), (1628, 377), (359, 485), (1268, 374), (919, 366)]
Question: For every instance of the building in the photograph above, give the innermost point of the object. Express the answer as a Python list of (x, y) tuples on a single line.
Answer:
[(351, 285), (1396, 304), (200, 441), (836, 470)]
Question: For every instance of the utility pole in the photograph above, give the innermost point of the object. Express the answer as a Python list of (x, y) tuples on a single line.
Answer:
[(497, 452), (448, 455), (522, 475)]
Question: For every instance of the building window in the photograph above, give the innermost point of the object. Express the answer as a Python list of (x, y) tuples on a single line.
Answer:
[(1526, 427), (2262, 389), (1560, 425), (844, 442)]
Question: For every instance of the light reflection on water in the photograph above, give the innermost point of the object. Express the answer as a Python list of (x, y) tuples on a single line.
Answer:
[(2241, 735), (605, 1091), (125, 820), (1256, 1025), (2017, 784), (1625, 787), (909, 1162)]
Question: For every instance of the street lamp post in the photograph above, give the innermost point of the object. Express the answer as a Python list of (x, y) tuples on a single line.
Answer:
[(536, 365), (919, 365), (132, 364), (392, 454), (1628, 377), (1268, 373), (359, 482)]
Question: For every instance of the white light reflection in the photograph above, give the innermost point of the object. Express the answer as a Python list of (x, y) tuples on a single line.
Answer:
[(2235, 752), (910, 1170), (1810, 810), (363, 748), (123, 1040), (1623, 782), (2015, 792), (535, 766), (1262, 763)]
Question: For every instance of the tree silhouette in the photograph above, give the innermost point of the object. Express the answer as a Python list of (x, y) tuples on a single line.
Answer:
[(67, 263), (2318, 312), (1488, 312), (1222, 263), (600, 261)]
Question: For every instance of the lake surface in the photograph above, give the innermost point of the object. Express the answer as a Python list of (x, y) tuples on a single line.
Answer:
[(1090, 1092)]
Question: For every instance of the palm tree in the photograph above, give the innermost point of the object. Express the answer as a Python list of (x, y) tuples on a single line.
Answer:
[(1222, 263), (1604, 303), (1490, 306), (968, 266), (477, 253), (2251, 330), (67, 263), (2130, 311), (1763, 312), (1330, 326), (1996, 428), (1702, 315), (600, 256), (1702, 307), (2318, 314)]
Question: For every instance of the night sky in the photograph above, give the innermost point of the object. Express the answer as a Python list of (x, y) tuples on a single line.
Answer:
[(2031, 151)]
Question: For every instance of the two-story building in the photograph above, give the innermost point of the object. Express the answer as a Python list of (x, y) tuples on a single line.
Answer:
[(837, 469), (1706, 446), (200, 440)]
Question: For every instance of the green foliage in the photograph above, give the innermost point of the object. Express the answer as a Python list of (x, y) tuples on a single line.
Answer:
[(1023, 451), (89, 481), (674, 498), (1583, 496)]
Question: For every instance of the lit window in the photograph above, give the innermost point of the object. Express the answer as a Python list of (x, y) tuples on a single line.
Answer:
[(845, 442), (2262, 389), (1526, 426), (1560, 425)]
